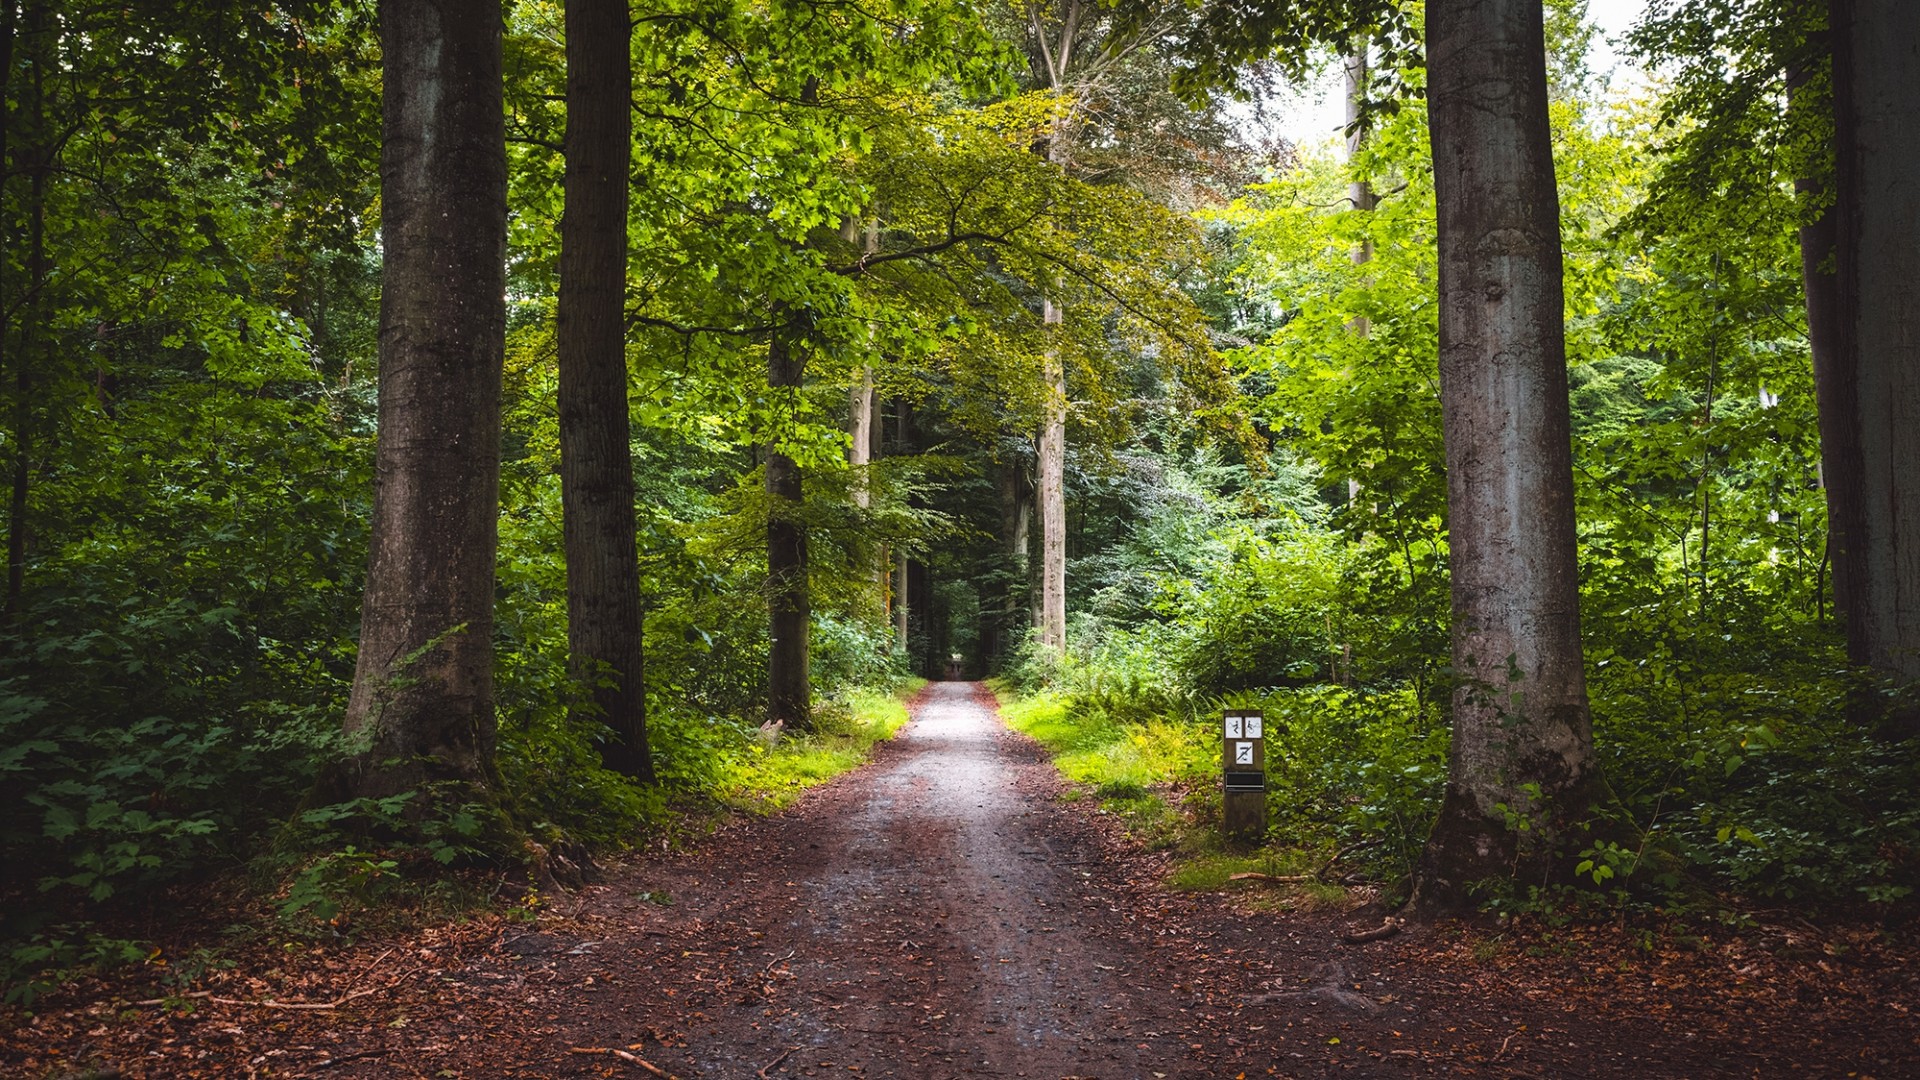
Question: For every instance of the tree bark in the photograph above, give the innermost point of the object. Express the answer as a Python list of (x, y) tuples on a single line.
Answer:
[(860, 429), (1053, 499), (901, 602), (1522, 744), (1359, 191), (1832, 390), (604, 630), (1833, 384), (1877, 351), (33, 160), (422, 698), (789, 682)]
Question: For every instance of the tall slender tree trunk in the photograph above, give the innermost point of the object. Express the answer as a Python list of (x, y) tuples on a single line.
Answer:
[(31, 160), (901, 612), (1832, 390), (422, 698), (1051, 460), (1359, 191), (32, 324), (1876, 369), (901, 602), (604, 632), (860, 432), (1020, 545), (789, 683), (1053, 500), (1832, 372), (1522, 745)]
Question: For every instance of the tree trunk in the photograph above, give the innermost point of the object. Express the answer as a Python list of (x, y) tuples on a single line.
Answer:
[(31, 325), (1832, 390), (920, 628), (1359, 192), (604, 634), (900, 609), (33, 160), (1053, 501), (1022, 545), (422, 698), (901, 603), (1832, 372), (1522, 744), (789, 683), (1877, 351), (860, 428), (860, 397)]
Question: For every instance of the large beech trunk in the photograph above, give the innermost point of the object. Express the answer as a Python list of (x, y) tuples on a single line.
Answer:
[(604, 637), (1522, 744), (789, 683), (1874, 484), (422, 698)]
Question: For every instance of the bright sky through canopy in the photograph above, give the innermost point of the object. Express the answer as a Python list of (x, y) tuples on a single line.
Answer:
[(1316, 113)]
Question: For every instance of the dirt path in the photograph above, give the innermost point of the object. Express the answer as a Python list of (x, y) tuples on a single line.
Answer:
[(927, 918), (941, 913)]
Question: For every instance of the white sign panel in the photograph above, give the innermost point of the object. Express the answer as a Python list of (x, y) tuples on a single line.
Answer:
[(1243, 753), (1253, 727), (1233, 727)]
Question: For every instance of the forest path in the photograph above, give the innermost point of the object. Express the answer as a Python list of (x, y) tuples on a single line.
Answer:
[(942, 913), (923, 919)]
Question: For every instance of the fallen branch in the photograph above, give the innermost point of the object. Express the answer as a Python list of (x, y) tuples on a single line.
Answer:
[(207, 995), (1277, 879), (1386, 929), (780, 960), (625, 1056), (767, 1069)]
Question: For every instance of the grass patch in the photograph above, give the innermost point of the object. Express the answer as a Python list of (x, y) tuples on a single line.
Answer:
[(1130, 767), (765, 778), (1137, 768), (1117, 760)]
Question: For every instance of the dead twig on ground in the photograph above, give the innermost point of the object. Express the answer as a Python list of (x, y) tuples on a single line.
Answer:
[(207, 995), (767, 1069), (623, 1055)]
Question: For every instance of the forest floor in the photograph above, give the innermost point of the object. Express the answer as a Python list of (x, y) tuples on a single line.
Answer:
[(942, 912)]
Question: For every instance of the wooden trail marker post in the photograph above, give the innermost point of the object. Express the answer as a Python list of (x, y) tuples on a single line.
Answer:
[(1244, 769)]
